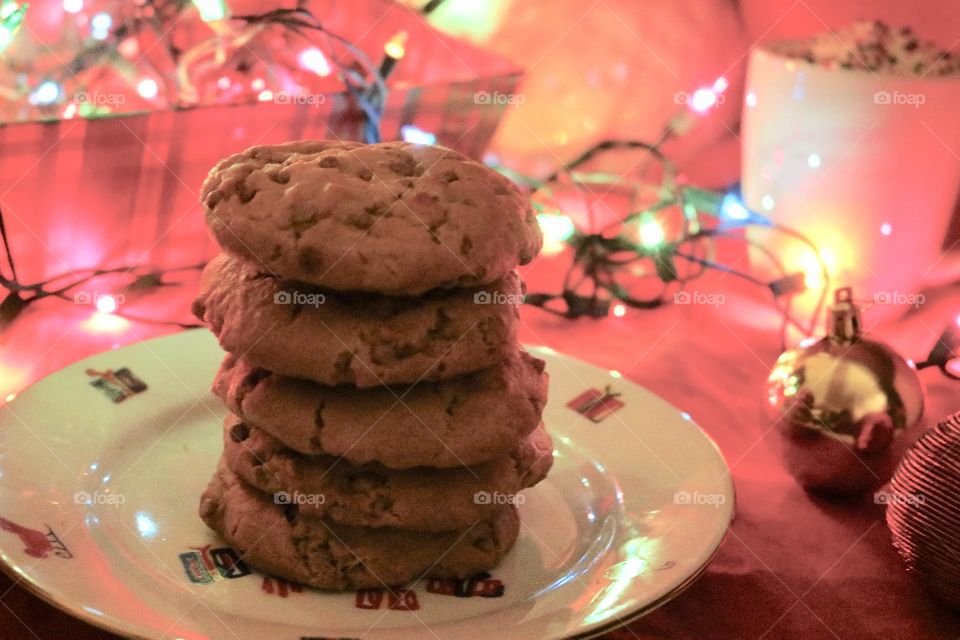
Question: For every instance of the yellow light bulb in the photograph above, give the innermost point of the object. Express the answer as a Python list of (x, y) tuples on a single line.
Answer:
[(211, 10), (651, 233), (395, 46)]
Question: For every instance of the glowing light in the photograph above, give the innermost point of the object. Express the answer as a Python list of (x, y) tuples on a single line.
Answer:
[(615, 374), (814, 160), (10, 397), (619, 310), (145, 525), (100, 26), (128, 48), (767, 202), (147, 88), (651, 233), (258, 84), (395, 46), (810, 266), (953, 366), (12, 17), (470, 19), (732, 207), (313, 59), (702, 100), (101, 22), (837, 257), (417, 135), (720, 85), (812, 276), (265, 96), (958, 321), (751, 99), (685, 415), (556, 228), (12, 378), (223, 82), (211, 10), (106, 304), (829, 259), (105, 323), (70, 111), (886, 228), (47, 93), (73, 6)]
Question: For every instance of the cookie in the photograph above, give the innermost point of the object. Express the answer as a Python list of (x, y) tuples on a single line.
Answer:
[(422, 498), (364, 340), (465, 420), (281, 541), (394, 218)]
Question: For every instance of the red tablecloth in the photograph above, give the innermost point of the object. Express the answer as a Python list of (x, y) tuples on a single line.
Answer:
[(792, 566)]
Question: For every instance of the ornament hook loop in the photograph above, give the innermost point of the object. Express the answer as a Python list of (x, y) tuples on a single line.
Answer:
[(845, 325)]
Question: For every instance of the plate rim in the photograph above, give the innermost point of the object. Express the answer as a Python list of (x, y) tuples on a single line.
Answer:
[(116, 627)]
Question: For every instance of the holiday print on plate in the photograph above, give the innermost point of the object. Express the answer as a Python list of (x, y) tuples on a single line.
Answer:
[(208, 564), (597, 405), (117, 385), (37, 543)]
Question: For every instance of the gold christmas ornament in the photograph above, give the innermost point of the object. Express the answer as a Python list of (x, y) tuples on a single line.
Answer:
[(840, 403)]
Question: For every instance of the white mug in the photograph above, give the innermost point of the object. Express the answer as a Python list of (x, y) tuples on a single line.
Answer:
[(867, 165)]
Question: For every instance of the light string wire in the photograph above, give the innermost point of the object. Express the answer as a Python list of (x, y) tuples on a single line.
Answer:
[(601, 257)]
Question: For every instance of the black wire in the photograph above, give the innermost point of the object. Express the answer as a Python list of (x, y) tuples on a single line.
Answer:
[(6, 249), (709, 264), (431, 6), (608, 145)]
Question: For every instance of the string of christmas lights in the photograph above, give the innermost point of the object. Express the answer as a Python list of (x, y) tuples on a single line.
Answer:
[(110, 39), (609, 259), (63, 286), (136, 55)]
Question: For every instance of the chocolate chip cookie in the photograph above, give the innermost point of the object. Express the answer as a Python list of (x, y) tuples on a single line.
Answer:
[(466, 420), (393, 218), (371, 495), (364, 340), (282, 541)]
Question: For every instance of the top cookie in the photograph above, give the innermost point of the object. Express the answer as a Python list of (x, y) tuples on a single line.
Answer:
[(393, 218)]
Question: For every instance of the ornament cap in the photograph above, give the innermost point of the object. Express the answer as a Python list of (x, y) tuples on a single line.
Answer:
[(844, 325)]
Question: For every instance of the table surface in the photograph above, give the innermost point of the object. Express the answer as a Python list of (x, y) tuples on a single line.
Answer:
[(793, 566)]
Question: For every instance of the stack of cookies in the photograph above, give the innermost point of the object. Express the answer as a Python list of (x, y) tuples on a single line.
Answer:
[(382, 416)]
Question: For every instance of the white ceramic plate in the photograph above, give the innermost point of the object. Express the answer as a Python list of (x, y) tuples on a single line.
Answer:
[(98, 504)]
